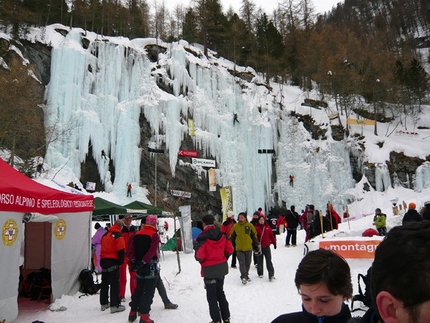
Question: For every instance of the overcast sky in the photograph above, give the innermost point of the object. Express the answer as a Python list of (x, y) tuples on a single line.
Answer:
[(267, 5)]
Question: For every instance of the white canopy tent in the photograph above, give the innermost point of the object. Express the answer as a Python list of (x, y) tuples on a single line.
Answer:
[(58, 240)]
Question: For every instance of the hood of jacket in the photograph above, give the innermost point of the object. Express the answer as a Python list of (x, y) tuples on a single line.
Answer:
[(209, 233)]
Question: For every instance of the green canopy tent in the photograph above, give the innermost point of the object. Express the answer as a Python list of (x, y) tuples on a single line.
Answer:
[(140, 207), (103, 209)]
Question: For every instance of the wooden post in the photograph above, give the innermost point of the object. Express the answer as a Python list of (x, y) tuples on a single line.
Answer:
[(177, 248), (329, 212)]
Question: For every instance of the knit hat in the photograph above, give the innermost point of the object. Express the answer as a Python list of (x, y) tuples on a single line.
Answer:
[(256, 214), (230, 214), (412, 205), (151, 220)]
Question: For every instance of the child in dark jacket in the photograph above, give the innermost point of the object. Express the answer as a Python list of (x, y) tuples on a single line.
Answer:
[(323, 279)]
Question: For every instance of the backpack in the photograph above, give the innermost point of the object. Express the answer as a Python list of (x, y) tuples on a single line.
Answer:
[(363, 297), (86, 281)]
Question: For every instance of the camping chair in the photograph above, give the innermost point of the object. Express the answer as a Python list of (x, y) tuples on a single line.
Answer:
[(45, 291), (39, 284)]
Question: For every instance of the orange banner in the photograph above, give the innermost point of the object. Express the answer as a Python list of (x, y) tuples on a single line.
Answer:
[(360, 122), (352, 248)]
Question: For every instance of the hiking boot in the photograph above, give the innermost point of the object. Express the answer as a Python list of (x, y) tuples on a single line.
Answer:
[(144, 318), (170, 306), (104, 307), (117, 309), (132, 316), (244, 281)]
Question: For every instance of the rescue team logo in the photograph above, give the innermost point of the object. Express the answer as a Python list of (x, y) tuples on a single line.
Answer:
[(60, 229), (10, 232)]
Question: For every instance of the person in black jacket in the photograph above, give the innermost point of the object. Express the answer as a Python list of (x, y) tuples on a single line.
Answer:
[(143, 255), (319, 228), (426, 212), (400, 281), (412, 215), (323, 280), (292, 218)]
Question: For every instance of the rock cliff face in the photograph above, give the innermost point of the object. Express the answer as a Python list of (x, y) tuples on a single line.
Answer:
[(186, 178)]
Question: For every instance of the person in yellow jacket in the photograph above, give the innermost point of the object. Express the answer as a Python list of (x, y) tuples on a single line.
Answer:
[(380, 221), (244, 237)]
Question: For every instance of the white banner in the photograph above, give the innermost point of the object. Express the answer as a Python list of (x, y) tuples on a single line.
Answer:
[(181, 193), (203, 162), (187, 236)]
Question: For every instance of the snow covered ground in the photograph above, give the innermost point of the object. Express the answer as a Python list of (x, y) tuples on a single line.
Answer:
[(258, 301)]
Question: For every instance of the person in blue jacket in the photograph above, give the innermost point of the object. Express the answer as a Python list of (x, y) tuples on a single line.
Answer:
[(323, 280)]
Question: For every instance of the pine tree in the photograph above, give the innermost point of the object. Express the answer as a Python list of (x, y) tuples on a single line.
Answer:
[(21, 124), (189, 27)]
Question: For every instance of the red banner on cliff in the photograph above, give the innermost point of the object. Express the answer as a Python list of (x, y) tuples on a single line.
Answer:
[(188, 153)]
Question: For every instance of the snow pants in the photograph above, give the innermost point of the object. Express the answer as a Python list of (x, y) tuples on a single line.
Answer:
[(291, 235), (143, 295), (218, 305), (244, 258), (110, 279), (265, 253), (123, 278)]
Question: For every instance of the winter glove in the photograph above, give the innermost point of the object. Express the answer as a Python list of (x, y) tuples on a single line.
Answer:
[(274, 246), (144, 270), (135, 265)]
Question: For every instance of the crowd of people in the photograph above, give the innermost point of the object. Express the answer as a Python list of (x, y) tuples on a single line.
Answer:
[(400, 280), (124, 247)]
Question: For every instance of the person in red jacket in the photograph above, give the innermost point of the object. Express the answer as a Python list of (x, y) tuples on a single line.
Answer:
[(144, 258), (304, 222), (212, 250), (127, 231), (226, 228), (111, 257), (333, 217), (266, 237)]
